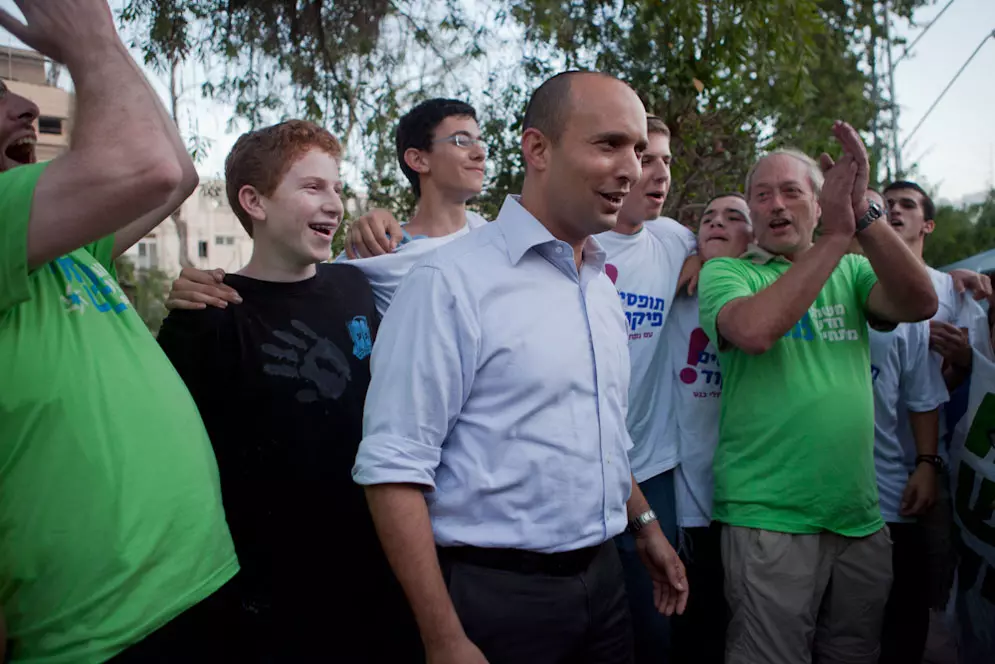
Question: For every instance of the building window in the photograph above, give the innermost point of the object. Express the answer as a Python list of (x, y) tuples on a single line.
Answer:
[(49, 125), (142, 250), (224, 240), (202, 249)]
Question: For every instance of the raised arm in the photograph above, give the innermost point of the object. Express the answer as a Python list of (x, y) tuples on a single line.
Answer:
[(904, 291), (125, 238), (754, 323), (122, 163)]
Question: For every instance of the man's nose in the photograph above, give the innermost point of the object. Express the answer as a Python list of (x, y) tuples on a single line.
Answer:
[(19, 108), (631, 167)]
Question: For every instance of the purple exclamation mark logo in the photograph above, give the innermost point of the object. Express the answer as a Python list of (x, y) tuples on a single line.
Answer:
[(611, 271), (699, 342)]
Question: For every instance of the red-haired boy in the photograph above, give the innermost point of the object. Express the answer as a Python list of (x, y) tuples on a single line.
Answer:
[(280, 380)]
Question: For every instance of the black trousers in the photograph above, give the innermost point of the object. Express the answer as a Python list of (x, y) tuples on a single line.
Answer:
[(699, 636), (537, 617), (906, 616)]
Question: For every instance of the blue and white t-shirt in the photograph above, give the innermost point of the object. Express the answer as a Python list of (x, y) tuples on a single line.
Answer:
[(697, 391), (905, 379), (645, 268)]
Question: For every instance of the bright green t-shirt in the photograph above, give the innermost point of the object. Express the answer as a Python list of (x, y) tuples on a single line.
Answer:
[(796, 431), (111, 521)]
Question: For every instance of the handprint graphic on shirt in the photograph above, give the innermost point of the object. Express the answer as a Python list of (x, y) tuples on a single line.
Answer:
[(306, 356)]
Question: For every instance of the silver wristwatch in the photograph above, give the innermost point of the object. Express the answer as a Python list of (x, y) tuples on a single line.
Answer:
[(641, 521), (873, 213)]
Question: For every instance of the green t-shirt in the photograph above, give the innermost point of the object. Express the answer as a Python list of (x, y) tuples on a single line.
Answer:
[(796, 431), (111, 521)]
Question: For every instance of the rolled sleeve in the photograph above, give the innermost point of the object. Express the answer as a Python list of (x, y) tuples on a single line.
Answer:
[(923, 387), (864, 277), (721, 281), (17, 189), (422, 369)]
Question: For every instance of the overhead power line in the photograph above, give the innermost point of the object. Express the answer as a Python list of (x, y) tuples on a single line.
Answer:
[(908, 49), (953, 80)]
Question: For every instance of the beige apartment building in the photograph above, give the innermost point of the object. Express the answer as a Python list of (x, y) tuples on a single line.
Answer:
[(215, 237)]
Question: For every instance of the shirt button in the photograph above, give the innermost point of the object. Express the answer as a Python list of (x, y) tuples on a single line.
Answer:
[(559, 250)]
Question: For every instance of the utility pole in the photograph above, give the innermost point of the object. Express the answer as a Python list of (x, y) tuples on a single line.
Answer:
[(896, 150), (872, 58)]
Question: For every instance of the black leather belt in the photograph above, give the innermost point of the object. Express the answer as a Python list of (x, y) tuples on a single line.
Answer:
[(566, 563)]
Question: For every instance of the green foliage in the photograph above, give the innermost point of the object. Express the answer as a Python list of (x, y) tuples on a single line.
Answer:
[(147, 290), (731, 78), (961, 232), (351, 65)]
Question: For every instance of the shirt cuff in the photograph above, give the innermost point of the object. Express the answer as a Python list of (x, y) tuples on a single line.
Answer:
[(389, 459), (925, 406)]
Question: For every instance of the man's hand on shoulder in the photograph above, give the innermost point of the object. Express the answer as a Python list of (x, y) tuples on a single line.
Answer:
[(374, 234), (980, 285), (690, 272), (196, 289)]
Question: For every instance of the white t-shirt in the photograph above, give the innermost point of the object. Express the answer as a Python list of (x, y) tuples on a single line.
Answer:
[(697, 381), (904, 379), (962, 310), (385, 272), (646, 268)]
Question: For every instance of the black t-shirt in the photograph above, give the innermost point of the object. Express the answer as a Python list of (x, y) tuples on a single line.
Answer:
[(280, 381)]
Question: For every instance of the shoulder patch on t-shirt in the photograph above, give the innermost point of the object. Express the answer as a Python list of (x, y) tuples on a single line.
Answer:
[(359, 331)]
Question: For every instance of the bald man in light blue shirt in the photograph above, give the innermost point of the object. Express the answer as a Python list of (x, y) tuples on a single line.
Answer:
[(494, 449)]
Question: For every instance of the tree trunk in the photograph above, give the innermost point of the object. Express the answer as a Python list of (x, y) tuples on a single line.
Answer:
[(179, 221)]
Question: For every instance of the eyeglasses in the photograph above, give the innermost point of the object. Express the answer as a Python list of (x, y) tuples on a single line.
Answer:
[(463, 141)]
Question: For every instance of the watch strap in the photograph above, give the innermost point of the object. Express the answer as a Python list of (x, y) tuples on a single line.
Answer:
[(874, 212), (641, 521)]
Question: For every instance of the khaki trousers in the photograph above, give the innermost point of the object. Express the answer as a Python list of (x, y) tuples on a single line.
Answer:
[(795, 597)]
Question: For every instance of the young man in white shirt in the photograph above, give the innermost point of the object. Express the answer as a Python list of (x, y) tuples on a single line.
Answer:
[(644, 261), (958, 327), (440, 151), (699, 634), (908, 392)]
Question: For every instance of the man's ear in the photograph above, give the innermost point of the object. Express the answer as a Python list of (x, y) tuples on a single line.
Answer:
[(536, 148), (416, 160), (252, 202), (929, 226)]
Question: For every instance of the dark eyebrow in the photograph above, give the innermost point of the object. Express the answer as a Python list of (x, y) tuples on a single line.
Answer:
[(463, 132), (617, 137)]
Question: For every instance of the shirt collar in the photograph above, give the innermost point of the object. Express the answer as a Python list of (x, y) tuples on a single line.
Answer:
[(760, 256), (522, 232)]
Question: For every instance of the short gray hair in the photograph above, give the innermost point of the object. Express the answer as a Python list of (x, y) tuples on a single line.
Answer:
[(815, 176)]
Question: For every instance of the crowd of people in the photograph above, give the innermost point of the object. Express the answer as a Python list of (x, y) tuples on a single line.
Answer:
[(578, 433)]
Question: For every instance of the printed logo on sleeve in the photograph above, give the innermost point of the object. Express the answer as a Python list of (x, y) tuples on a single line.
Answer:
[(88, 286)]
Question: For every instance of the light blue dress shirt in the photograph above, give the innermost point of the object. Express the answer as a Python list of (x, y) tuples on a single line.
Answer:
[(500, 382)]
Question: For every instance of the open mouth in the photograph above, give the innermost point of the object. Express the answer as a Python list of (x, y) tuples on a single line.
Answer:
[(614, 199), (896, 223), (656, 197), (778, 224), (324, 230), (22, 151)]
